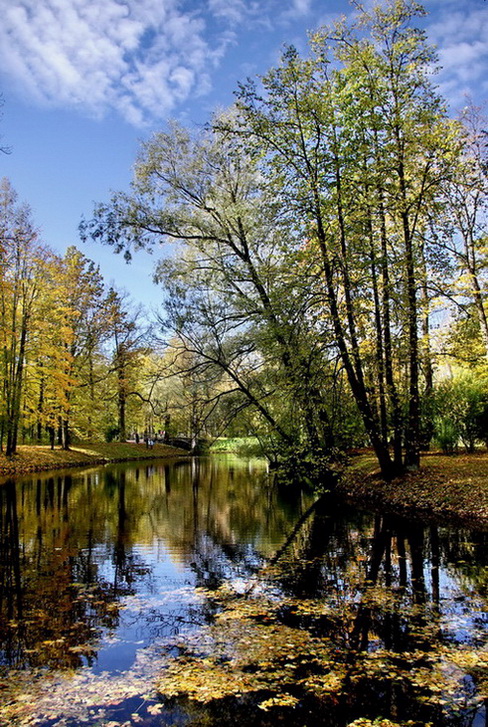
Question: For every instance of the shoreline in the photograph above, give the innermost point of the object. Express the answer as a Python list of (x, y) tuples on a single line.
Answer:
[(39, 458), (446, 487), (450, 488)]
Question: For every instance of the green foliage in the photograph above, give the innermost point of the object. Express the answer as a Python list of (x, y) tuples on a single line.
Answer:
[(481, 422), (306, 218), (446, 434), (111, 433), (464, 340), (319, 223), (460, 406), (244, 446)]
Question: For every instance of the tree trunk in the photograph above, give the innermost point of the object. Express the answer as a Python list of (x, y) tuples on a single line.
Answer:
[(380, 358), (476, 289), (13, 405), (412, 444), (40, 407), (356, 382), (121, 392), (427, 423)]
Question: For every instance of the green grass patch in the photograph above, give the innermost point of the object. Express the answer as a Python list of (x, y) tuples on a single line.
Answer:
[(244, 446)]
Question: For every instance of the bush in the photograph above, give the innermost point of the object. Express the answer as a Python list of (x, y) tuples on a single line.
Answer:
[(446, 435), (111, 433), (244, 446)]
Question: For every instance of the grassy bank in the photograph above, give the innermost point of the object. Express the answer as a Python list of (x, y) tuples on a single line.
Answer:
[(38, 458), (446, 486)]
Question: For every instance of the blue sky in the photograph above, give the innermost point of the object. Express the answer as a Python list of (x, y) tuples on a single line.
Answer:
[(83, 81)]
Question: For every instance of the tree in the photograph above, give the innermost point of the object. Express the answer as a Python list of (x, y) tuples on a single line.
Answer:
[(82, 327), (56, 322), (3, 149), (128, 345), (460, 406), (20, 254), (307, 223), (229, 297), (466, 233), (358, 152)]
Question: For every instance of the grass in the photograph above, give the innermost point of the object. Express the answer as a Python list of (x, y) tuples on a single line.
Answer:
[(245, 446), (35, 458)]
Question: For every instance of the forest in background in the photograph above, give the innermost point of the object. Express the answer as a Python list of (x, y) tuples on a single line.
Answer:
[(79, 361), (325, 282)]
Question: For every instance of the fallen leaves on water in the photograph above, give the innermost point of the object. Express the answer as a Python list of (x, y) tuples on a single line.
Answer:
[(78, 697), (250, 648), (379, 723)]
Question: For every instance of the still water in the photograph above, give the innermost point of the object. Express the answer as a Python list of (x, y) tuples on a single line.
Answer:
[(108, 574)]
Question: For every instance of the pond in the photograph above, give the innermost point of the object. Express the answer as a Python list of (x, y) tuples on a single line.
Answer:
[(197, 592)]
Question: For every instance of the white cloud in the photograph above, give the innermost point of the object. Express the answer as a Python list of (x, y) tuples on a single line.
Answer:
[(144, 58), (300, 8), (139, 57), (232, 11), (461, 36)]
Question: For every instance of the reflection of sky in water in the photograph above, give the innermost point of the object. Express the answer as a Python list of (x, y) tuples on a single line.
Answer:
[(151, 581), (165, 603), (463, 613)]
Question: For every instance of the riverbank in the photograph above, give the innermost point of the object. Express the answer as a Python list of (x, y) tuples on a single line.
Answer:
[(445, 487), (35, 458)]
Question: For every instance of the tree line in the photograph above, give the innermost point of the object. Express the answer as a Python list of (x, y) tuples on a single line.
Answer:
[(69, 345), (324, 279), (79, 360), (329, 236)]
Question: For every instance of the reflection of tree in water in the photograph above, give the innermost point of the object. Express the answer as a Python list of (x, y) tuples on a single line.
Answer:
[(386, 604), (53, 599), (72, 548), (69, 555), (218, 551), (11, 605), (212, 561), (363, 629), (128, 568)]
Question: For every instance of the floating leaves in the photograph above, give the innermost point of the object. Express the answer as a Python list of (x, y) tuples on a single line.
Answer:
[(379, 723), (281, 700), (251, 649)]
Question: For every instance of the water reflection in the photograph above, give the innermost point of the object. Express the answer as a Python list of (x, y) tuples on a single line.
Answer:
[(98, 566), (402, 606), (76, 548)]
